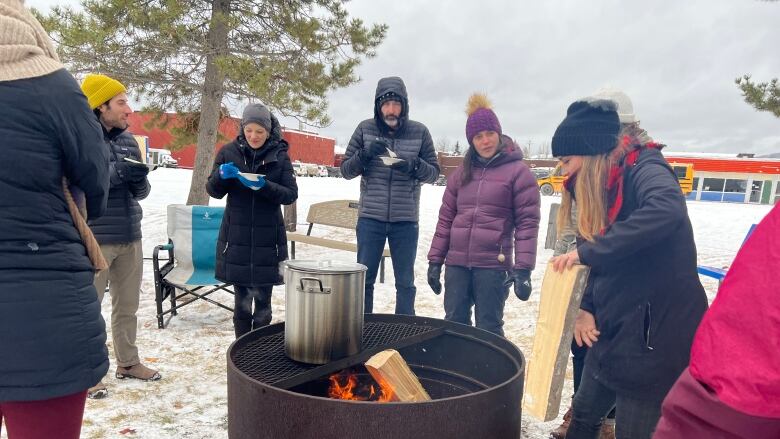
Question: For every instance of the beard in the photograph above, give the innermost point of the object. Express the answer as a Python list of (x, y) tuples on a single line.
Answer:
[(391, 120)]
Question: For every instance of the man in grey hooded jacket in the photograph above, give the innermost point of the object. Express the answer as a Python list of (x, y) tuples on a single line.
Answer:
[(394, 156)]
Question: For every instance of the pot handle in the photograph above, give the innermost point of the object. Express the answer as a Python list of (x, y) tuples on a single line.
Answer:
[(322, 289)]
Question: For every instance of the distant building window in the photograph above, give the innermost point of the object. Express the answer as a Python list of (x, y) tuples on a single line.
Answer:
[(777, 193), (735, 186), (713, 185), (680, 171)]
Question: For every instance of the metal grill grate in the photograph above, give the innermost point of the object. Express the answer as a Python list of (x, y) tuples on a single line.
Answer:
[(264, 359)]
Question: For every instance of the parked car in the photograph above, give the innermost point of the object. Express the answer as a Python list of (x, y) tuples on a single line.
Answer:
[(323, 171), (166, 161), (312, 170), (299, 169), (441, 181)]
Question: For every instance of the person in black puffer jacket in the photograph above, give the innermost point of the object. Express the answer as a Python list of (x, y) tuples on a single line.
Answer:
[(390, 194), (252, 238), (119, 230), (52, 336), (643, 300)]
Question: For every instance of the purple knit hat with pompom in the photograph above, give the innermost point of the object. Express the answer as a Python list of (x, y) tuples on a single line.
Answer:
[(481, 117)]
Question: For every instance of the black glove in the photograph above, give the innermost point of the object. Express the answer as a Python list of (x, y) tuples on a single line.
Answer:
[(375, 149), (434, 276), (131, 172), (407, 166), (522, 280)]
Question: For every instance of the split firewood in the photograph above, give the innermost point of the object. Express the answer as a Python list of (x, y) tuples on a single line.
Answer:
[(546, 369), (390, 370)]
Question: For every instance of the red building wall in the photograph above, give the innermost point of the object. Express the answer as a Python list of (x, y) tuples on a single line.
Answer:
[(304, 146)]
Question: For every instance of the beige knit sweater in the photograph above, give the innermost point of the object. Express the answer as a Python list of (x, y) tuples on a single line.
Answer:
[(27, 52), (25, 49)]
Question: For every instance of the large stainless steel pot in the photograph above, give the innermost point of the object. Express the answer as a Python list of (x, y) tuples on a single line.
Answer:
[(324, 309)]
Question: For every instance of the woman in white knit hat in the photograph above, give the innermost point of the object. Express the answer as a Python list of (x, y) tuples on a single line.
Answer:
[(52, 336)]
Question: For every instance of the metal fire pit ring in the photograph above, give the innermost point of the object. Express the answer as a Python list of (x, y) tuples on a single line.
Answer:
[(260, 404)]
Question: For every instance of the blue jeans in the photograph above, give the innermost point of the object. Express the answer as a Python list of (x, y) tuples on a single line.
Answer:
[(578, 363), (635, 418), (402, 238), (481, 288)]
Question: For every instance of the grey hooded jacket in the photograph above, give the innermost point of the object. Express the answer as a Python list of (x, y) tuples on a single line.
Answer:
[(387, 194)]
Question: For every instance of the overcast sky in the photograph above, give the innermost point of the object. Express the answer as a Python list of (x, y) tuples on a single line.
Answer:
[(677, 60)]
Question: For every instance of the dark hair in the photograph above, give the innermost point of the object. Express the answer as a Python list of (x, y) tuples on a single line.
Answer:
[(97, 109), (470, 156)]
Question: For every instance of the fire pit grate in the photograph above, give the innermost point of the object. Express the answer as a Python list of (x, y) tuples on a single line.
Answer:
[(264, 359)]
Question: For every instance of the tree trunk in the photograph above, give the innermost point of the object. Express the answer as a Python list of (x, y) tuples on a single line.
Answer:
[(211, 102)]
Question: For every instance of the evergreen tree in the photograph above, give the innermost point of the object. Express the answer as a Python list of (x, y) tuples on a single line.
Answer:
[(764, 96), (191, 56)]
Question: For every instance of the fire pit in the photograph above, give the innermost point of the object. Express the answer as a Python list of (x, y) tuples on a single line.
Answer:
[(475, 380)]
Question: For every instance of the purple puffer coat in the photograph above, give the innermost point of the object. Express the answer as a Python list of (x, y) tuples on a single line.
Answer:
[(480, 220)]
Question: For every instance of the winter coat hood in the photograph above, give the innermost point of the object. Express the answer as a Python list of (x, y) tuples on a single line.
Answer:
[(395, 85)]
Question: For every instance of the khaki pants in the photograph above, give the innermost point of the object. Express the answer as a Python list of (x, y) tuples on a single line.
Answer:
[(125, 268)]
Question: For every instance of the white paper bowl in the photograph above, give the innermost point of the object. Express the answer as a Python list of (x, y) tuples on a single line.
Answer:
[(250, 176), (390, 160)]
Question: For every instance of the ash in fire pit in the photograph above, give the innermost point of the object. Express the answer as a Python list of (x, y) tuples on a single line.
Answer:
[(475, 380)]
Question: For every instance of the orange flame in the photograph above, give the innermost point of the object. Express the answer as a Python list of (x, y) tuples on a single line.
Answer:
[(345, 386)]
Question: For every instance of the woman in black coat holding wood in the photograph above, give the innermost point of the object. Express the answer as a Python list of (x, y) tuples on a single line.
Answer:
[(256, 174), (643, 301)]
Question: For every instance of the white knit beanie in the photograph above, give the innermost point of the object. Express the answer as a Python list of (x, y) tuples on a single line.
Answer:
[(26, 50), (625, 109)]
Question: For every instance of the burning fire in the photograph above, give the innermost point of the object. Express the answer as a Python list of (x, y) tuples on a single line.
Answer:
[(346, 386)]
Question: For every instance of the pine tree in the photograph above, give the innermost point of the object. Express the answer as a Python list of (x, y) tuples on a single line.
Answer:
[(191, 56), (764, 96)]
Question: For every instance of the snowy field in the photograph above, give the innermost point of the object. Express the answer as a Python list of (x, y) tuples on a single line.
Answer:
[(191, 399)]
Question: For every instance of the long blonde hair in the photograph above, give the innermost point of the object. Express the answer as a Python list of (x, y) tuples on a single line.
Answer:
[(592, 203)]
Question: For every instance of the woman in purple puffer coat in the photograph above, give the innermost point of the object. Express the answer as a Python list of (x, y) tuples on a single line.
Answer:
[(489, 211)]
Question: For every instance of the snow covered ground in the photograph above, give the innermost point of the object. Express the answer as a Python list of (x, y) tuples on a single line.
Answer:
[(191, 399)]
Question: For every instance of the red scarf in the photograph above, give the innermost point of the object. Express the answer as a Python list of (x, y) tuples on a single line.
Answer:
[(623, 157)]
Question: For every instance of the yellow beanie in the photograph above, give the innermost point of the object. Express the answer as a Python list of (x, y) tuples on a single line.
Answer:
[(99, 89)]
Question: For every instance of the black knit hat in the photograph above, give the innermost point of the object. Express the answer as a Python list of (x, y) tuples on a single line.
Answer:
[(590, 128)]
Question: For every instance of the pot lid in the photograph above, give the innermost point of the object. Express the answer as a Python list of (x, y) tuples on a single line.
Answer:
[(326, 266)]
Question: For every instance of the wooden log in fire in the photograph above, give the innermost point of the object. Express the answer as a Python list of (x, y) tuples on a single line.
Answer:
[(390, 370)]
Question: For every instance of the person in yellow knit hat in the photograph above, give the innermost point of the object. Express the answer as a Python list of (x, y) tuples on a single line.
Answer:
[(119, 231)]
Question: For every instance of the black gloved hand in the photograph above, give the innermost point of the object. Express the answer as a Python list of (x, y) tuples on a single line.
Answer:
[(131, 172), (434, 276), (374, 149), (522, 280), (407, 166)]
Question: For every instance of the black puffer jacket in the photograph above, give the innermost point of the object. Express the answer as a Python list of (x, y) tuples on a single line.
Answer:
[(644, 289), (252, 239), (387, 194), (122, 220), (52, 336)]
